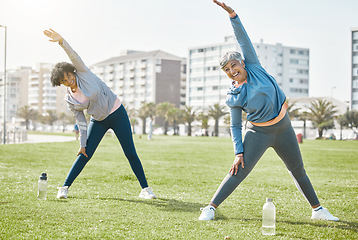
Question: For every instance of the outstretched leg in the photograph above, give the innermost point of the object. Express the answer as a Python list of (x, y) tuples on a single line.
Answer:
[(122, 128), (255, 144), (96, 131), (286, 146)]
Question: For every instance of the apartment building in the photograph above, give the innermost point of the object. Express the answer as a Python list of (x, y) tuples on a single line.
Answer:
[(42, 96), (354, 70), (207, 84), (142, 77), (16, 92), (32, 87)]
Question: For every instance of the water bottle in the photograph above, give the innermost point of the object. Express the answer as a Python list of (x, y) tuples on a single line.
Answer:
[(268, 217), (42, 185)]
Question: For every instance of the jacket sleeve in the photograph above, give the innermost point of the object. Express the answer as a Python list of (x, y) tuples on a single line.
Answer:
[(245, 43), (82, 125), (236, 126), (74, 57)]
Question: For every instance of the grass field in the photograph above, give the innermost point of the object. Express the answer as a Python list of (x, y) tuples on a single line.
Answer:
[(184, 172)]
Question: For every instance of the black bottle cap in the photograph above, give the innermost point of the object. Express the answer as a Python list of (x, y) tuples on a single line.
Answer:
[(43, 176)]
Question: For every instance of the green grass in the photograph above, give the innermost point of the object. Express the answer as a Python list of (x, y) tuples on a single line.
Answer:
[(184, 173)]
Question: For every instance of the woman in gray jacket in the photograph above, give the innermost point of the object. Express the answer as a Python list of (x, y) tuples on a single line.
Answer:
[(86, 91)]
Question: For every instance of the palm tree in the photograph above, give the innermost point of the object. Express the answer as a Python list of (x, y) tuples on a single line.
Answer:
[(133, 122), (292, 110), (188, 117), (174, 115), (145, 111), (227, 121), (216, 111), (162, 111), (321, 115), (204, 119), (132, 113), (350, 120), (26, 113), (151, 110), (66, 119), (304, 116)]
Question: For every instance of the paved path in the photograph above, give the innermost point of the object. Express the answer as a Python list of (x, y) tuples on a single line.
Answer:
[(38, 138)]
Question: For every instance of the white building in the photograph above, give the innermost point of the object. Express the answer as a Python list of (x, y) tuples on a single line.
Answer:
[(207, 84), (16, 92), (144, 77), (42, 96), (354, 93)]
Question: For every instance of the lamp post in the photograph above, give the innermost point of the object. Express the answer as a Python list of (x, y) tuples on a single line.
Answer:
[(4, 141)]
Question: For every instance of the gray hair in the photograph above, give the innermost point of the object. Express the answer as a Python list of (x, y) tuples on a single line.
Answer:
[(229, 56)]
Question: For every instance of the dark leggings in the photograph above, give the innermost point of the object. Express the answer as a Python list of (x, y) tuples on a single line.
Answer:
[(282, 138), (118, 121)]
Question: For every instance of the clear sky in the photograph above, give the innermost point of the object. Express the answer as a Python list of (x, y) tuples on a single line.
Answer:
[(100, 29)]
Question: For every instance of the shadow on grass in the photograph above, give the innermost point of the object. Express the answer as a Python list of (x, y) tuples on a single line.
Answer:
[(174, 205), (170, 205), (352, 226)]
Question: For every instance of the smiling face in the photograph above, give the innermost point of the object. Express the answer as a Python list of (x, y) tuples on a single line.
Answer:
[(69, 80), (235, 70)]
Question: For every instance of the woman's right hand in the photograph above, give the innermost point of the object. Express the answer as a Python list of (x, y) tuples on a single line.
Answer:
[(83, 151), (239, 159), (224, 6), (55, 37)]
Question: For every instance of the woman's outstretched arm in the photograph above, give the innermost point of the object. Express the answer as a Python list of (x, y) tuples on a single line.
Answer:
[(242, 37), (74, 57)]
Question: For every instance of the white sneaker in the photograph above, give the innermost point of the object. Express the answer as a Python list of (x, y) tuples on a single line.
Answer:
[(207, 213), (323, 214), (62, 192), (147, 193)]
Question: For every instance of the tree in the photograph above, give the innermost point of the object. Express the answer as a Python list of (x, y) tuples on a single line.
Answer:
[(27, 113), (174, 115), (321, 115), (132, 113), (204, 119), (66, 119), (145, 111), (151, 110), (188, 117), (216, 111), (162, 111), (350, 120), (292, 110), (304, 116), (227, 121), (50, 117)]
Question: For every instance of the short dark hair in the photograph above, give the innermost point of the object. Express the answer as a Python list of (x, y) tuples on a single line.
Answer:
[(59, 70)]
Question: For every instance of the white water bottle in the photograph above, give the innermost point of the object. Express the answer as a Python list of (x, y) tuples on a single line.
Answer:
[(268, 218), (42, 187)]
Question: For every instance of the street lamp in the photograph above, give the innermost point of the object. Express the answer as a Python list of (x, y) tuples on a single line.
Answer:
[(4, 87)]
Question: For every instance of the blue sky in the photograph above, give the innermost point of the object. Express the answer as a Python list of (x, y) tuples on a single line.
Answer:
[(100, 29)]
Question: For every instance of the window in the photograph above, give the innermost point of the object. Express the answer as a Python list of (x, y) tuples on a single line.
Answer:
[(215, 87)]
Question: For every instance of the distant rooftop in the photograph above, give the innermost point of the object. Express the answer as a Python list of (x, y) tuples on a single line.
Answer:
[(135, 55)]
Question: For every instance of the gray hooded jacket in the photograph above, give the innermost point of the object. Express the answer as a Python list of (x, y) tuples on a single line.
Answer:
[(101, 98)]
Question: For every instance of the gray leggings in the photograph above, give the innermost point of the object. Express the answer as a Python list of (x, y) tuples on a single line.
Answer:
[(282, 138)]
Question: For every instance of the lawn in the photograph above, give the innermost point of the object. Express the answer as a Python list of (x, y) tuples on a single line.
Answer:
[(184, 172)]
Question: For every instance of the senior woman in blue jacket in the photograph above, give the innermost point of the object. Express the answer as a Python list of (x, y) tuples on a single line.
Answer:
[(85, 91), (257, 93)]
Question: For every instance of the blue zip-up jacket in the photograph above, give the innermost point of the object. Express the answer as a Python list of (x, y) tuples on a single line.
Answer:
[(261, 98)]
